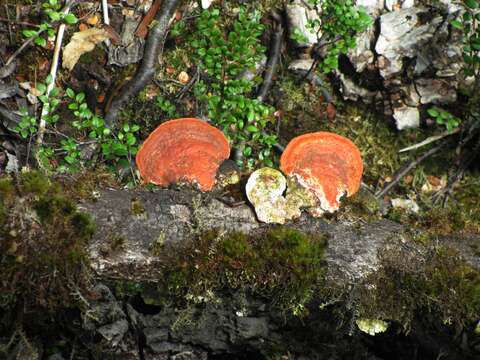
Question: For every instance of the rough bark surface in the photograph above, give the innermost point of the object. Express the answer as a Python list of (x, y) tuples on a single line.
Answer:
[(236, 323)]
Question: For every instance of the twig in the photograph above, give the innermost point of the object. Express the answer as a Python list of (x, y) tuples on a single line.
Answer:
[(430, 140), (273, 58), (106, 18), (51, 85), (16, 22), (142, 28), (145, 72), (443, 194), (406, 169)]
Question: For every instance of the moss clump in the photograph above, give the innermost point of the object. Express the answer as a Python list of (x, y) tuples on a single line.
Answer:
[(42, 245), (281, 264), (439, 282)]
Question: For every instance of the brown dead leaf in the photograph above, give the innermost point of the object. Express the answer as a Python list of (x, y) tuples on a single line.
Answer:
[(433, 184), (81, 43), (434, 180)]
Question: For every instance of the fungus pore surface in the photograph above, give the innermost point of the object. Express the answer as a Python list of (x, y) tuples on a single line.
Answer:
[(183, 150), (327, 164)]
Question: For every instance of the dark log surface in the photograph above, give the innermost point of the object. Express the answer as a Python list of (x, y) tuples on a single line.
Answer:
[(142, 218), (236, 323)]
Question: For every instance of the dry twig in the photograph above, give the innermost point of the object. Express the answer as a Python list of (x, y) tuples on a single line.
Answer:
[(146, 70)]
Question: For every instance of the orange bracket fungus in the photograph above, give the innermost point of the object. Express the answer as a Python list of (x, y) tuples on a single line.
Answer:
[(183, 150), (327, 164)]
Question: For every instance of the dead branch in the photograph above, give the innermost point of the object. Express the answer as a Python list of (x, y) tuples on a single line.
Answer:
[(404, 170), (145, 72), (274, 57)]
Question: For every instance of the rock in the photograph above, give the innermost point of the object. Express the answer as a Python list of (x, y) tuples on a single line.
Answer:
[(399, 4), (361, 56), (298, 15), (406, 117), (130, 51), (401, 37), (418, 60), (301, 65), (351, 91), (406, 204), (433, 91), (113, 333)]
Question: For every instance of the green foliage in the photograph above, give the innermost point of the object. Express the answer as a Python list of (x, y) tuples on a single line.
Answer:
[(42, 245), (224, 54), (282, 264), (53, 14), (115, 147), (445, 118), (166, 106), (340, 22), (468, 23), (27, 127)]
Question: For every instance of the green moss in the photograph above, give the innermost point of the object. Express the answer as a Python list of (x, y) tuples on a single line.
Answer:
[(42, 247), (33, 182), (281, 264), (460, 215), (136, 207), (362, 205), (6, 187), (441, 283)]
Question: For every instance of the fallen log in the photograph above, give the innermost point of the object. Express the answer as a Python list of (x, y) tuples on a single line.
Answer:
[(359, 258), (180, 274)]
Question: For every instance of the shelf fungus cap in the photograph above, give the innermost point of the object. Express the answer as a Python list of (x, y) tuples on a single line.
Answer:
[(183, 150), (265, 188), (327, 164)]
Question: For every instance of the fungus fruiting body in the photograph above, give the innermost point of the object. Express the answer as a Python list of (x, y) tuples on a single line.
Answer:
[(327, 164), (264, 190), (183, 150)]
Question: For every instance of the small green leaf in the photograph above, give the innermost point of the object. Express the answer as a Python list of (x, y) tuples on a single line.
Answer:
[(40, 41), (80, 97), (29, 33), (70, 19), (70, 93), (472, 4), (456, 24), (433, 112), (252, 128)]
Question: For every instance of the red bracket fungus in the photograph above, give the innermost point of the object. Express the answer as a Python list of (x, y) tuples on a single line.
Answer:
[(183, 150), (327, 164)]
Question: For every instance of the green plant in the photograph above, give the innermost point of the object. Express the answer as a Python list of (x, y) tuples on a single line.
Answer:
[(445, 118), (340, 22), (166, 106), (118, 147), (28, 125), (469, 24), (52, 10), (114, 146), (227, 95)]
